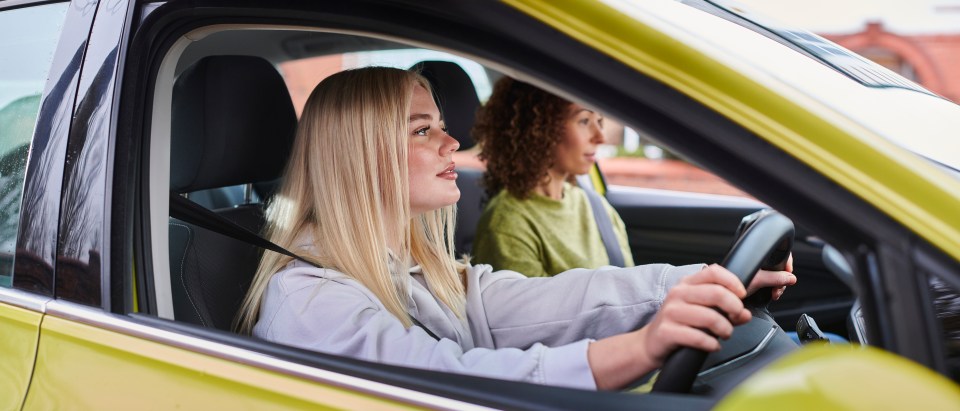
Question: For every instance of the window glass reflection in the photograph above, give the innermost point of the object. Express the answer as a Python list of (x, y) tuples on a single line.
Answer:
[(28, 39)]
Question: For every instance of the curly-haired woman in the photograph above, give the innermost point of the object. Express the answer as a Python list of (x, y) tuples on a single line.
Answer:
[(536, 222)]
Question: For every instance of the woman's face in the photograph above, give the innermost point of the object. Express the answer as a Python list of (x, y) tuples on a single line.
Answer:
[(433, 181), (582, 133)]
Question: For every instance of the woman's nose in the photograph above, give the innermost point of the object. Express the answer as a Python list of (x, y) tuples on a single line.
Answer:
[(598, 136), (450, 145)]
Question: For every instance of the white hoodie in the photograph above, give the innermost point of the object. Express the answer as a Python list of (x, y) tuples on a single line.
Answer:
[(517, 328)]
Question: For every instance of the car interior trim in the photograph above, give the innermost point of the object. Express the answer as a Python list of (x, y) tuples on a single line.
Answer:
[(160, 176), (655, 197), (756, 350), (29, 301), (96, 318)]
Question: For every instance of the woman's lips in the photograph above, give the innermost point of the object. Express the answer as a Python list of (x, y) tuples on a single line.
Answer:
[(449, 173)]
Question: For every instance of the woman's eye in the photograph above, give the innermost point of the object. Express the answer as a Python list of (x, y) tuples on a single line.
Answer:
[(584, 121), (445, 129), (422, 131)]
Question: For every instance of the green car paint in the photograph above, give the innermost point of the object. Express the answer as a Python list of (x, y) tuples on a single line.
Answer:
[(843, 377), (18, 342), (90, 368)]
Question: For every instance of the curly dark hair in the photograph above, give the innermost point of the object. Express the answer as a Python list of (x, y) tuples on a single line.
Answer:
[(518, 130)]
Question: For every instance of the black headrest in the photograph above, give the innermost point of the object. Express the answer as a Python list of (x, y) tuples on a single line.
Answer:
[(233, 123), (456, 97)]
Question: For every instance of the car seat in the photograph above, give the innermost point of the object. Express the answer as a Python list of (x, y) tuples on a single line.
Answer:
[(233, 123), (456, 97)]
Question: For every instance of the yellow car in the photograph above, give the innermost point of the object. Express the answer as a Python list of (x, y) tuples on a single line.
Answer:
[(114, 297)]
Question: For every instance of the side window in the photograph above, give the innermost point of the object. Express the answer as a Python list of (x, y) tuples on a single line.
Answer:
[(28, 38), (304, 74), (629, 158)]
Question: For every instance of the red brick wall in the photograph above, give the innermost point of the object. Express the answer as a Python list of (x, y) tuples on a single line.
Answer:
[(936, 58)]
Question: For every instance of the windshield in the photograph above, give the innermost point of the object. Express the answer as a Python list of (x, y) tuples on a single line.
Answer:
[(863, 91)]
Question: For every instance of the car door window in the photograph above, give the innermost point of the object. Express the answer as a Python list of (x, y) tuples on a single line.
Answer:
[(631, 158), (28, 37)]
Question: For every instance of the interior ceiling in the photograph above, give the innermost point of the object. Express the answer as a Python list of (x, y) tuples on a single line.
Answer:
[(278, 46)]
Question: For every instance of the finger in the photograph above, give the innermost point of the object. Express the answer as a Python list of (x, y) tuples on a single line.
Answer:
[(703, 318), (697, 316), (709, 295), (677, 335), (778, 292), (773, 279), (718, 275), (789, 266), (742, 317)]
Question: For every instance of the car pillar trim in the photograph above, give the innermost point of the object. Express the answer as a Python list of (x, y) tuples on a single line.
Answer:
[(95, 318), (24, 300)]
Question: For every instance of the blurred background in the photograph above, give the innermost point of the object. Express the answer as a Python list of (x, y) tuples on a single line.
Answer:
[(918, 39)]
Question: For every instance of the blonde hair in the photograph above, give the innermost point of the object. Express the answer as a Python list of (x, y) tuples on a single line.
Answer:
[(346, 187)]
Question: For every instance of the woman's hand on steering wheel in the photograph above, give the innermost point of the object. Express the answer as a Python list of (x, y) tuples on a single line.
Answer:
[(706, 302), (709, 300), (777, 281)]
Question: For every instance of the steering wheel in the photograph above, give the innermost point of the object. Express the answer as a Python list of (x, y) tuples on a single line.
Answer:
[(765, 241)]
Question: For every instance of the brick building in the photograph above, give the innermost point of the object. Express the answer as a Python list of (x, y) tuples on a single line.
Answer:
[(932, 60)]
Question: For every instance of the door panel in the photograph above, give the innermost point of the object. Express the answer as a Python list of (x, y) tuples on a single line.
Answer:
[(688, 228), (80, 366), (19, 329)]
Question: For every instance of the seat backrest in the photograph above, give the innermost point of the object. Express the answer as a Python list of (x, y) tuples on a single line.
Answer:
[(457, 99), (469, 208), (233, 123)]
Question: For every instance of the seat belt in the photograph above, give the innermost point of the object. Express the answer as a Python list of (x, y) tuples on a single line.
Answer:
[(614, 252), (186, 210)]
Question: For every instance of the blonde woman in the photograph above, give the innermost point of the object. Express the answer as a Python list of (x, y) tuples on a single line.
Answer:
[(369, 194)]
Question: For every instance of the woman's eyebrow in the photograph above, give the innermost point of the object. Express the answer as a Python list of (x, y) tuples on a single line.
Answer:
[(415, 117)]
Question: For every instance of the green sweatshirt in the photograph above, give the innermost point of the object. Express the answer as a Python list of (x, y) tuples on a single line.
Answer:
[(541, 236)]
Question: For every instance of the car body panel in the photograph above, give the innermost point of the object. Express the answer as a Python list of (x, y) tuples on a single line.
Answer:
[(18, 343), (902, 185), (843, 377), (86, 367)]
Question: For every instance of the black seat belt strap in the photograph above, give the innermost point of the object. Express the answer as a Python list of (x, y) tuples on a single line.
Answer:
[(193, 213), (614, 252)]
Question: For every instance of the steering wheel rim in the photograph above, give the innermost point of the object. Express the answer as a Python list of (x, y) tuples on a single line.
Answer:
[(744, 259)]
